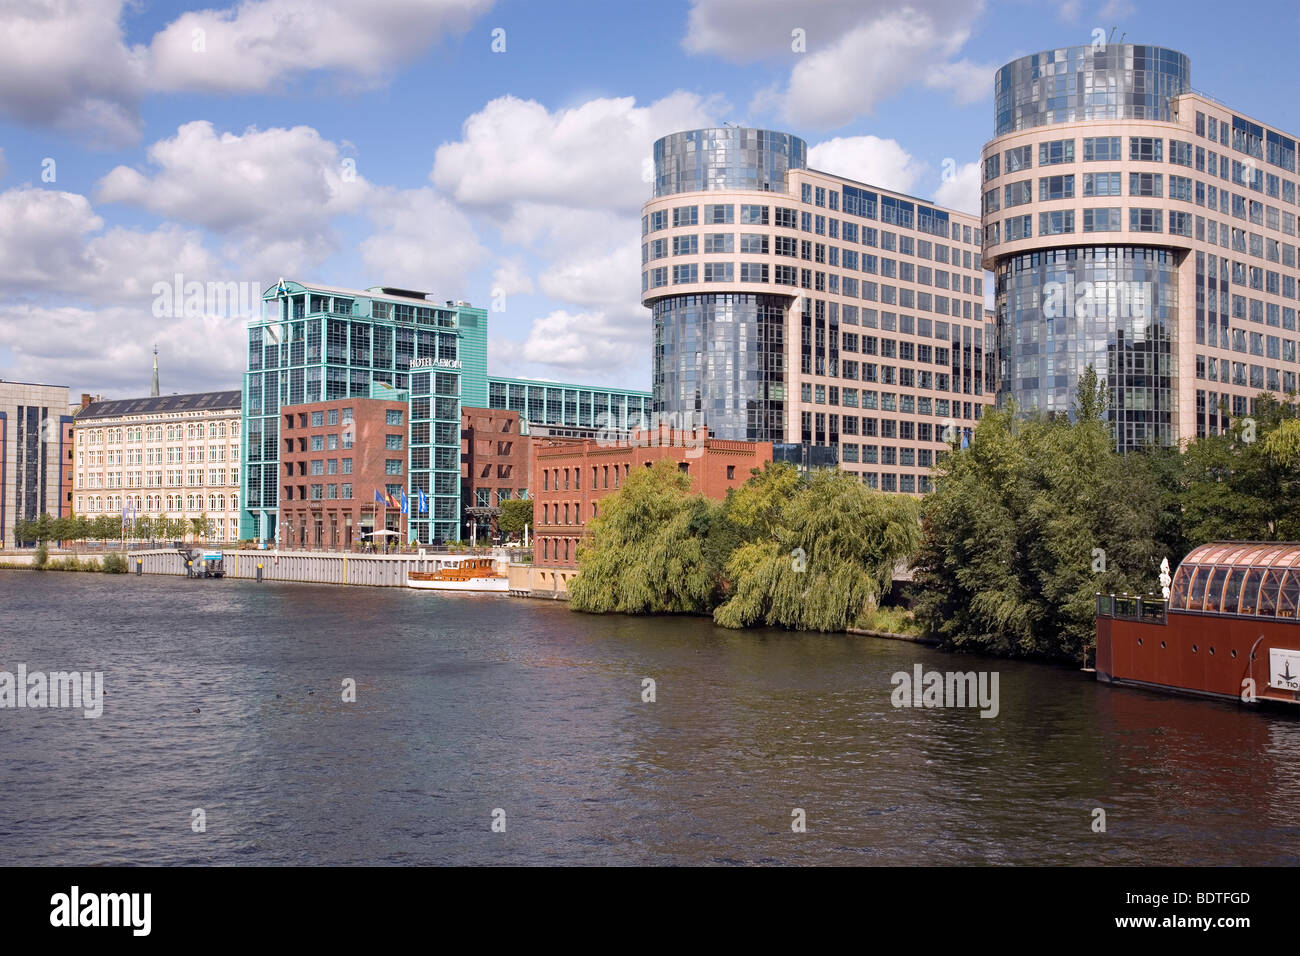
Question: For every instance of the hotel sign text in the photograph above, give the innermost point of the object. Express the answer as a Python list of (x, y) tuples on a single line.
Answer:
[(434, 363)]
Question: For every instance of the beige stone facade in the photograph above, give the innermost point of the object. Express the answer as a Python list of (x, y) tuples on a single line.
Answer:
[(172, 456)]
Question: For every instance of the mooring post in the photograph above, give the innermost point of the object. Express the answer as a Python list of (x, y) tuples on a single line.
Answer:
[(259, 572), (139, 565)]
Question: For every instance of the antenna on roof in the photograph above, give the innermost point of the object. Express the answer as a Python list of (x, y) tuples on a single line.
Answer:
[(1110, 38)]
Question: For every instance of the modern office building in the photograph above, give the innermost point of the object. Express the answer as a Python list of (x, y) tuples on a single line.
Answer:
[(170, 456), (334, 457), (320, 343), (832, 318), (540, 402), (33, 454), (316, 343), (1144, 229)]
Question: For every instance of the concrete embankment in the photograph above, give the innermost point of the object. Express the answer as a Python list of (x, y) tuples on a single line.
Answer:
[(312, 567)]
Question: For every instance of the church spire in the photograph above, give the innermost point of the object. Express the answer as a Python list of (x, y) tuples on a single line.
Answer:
[(155, 370)]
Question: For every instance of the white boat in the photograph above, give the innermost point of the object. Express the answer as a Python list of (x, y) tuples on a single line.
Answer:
[(461, 574)]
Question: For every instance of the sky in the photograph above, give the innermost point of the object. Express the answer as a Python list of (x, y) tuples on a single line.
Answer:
[(492, 151)]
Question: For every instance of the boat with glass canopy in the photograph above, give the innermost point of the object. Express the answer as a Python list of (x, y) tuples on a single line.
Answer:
[(1229, 628)]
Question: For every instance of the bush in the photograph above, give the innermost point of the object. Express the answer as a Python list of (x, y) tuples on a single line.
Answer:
[(114, 563), (42, 556)]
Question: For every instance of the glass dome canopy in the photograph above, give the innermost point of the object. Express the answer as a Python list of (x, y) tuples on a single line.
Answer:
[(1235, 577)]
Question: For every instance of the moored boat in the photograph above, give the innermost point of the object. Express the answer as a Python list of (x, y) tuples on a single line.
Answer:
[(1230, 628), (460, 574)]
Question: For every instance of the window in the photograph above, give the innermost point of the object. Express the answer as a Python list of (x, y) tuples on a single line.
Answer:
[(1101, 220), (754, 215), (1146, 184), (1017, 194), (1145, 220), (718, 242), (393, 442), (1146, 149), (1056, 187), (1101, 149), (1056, 223), (1056, 151), (317, 419), (1101, 184), (719, 214), (393, 416), (393, 466), (686, 216), (1022, 157)]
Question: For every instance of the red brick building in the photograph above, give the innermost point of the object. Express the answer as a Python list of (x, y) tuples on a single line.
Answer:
[(494, 461), (571, 477), (334, 456)]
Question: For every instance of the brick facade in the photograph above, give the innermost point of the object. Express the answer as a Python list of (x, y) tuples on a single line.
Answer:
[(333, 458), (572, 477)]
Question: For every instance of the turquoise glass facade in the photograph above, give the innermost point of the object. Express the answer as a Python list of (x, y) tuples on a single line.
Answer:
[(317, 343)]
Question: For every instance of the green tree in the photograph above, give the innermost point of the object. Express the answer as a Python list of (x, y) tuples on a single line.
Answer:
[(645, 553), (819, 551), (515, 513), (1026, 525), (1242, 484)]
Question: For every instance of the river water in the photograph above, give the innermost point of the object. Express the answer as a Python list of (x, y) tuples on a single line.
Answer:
[(226, 697)]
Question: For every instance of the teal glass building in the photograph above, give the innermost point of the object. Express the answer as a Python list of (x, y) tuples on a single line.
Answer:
[(317, 343)]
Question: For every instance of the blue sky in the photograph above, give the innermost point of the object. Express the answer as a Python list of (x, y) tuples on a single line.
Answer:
[(386, 142)]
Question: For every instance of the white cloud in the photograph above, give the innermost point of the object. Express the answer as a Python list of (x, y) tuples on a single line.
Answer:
[(1117, 10), (422, 241), (511, 278), (109, 350), (567, 187), (579, 342), (587, 157), (868, 159), (1069, 11), (250, 47), (962, 191), (744, 30), (967, 82), (65, 63), (273, 193), (52, 242), (858, 52)]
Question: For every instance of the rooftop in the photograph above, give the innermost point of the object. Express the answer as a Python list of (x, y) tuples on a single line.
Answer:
[(197, 401)]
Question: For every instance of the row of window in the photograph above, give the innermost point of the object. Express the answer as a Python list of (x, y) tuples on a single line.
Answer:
[(157, 433), (830, 283), (789, 247), (156, 504), (1260, 377), (1102, 219), (818, 225), (1249, 138), (174, 478)]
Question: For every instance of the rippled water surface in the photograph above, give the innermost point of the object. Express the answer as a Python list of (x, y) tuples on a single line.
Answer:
[(226, 696)]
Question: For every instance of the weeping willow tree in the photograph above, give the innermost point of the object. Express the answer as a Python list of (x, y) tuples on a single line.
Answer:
[(817, 551), (648, 550)]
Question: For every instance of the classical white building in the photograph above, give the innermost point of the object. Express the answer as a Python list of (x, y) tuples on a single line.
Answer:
[(169, 456)]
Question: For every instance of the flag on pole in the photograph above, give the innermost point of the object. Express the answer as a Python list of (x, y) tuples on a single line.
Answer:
[(406, 504), (424, 502), (380, 498)]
